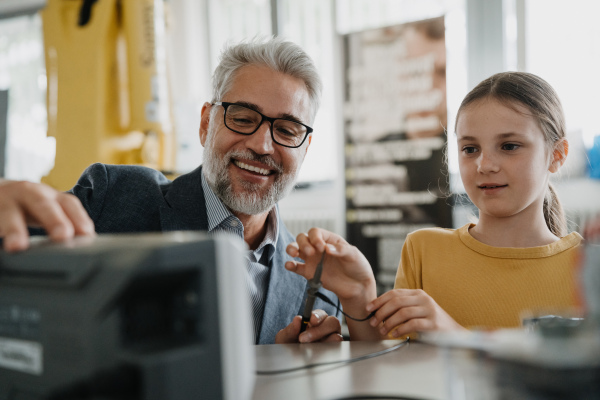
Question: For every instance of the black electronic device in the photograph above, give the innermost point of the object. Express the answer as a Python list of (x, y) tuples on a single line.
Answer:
[(142, 316)]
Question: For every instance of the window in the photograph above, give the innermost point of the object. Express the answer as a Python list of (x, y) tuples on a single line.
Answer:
[(561, 41), (29, 153), (308, 23)]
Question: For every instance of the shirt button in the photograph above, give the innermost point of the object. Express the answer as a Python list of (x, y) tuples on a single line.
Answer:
[(234, 223)]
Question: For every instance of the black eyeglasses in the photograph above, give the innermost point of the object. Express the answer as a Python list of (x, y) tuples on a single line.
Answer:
[(246, 121)]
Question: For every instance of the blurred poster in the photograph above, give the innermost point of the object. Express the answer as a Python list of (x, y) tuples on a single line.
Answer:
[(395, 119)]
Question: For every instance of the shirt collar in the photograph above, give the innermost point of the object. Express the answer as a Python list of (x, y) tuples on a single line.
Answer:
[(215, 209), (217, 214)]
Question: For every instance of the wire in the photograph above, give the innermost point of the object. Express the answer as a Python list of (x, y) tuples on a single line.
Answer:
[(378, 397), (348, 361), (328, 301)]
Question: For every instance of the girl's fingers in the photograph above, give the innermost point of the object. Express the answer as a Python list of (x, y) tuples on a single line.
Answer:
[(316, 239), (298, 268), (413, 325), (387, 297), (305, 247), (391, 302), (402, 317), (293, 250)]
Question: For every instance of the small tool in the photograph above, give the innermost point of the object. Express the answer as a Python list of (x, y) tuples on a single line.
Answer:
[(314, 285)]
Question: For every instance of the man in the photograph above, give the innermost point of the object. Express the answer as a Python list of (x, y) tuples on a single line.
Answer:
[(255, 133)]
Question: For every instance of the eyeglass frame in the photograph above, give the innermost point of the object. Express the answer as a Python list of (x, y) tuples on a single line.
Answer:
[(264, 118)]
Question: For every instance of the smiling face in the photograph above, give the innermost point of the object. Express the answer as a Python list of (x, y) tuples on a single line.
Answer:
[(504, 161), (251, 173)]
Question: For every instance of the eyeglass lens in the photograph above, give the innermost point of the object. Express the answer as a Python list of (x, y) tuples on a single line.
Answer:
[(245, 120)]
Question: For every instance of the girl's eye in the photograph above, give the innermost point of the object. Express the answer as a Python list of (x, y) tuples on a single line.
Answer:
[(510, 146), (469, 149)]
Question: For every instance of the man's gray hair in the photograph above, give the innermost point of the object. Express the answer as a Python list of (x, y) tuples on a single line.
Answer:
[(276, 53)]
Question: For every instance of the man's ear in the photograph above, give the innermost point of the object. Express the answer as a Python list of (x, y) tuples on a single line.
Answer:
[(204, 122), (559, 155), (309, 140)]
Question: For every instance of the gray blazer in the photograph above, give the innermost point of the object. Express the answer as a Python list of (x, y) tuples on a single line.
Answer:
[(128, 198)]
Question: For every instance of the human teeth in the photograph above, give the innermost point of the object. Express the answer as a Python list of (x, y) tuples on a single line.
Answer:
[(261, 171)]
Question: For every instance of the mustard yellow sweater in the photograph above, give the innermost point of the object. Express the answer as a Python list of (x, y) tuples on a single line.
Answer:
[(483, 286)]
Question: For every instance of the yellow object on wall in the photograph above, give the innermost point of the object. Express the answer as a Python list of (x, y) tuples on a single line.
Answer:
[(108, 97)]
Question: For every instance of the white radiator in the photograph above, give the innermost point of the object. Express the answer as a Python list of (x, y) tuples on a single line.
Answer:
[(301, 221)]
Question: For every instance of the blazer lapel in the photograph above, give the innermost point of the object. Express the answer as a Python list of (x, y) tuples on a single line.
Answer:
[(185, 208), (284, 296)]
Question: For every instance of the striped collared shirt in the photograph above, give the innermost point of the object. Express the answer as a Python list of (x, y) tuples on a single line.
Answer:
[(221, 219)]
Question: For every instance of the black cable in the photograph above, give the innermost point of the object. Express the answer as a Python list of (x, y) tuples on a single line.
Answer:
[(348, 361), (377, 397), (328, 301)]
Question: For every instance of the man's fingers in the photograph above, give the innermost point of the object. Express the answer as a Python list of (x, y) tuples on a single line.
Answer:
[(324, 327), (334, 337), (72, 207), (43, 208), (317, 317), (16, 242), (13, 229), (24, 204), (320, 328), (290, 333)]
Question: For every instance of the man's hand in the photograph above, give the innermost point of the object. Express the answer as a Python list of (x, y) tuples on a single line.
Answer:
[(404, 311), (321, 328), (24, 204)]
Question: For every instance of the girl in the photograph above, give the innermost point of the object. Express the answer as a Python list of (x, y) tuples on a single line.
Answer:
[(511, 136)]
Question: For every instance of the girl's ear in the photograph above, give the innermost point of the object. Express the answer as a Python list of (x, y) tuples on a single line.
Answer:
[(559, 155)]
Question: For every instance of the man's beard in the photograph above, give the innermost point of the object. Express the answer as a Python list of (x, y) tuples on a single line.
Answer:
[(253, 200)]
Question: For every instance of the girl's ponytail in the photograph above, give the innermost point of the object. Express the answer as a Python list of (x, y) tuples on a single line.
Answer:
[(554, 213)]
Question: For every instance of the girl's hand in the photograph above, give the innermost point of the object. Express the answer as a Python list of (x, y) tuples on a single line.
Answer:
[(404, 311), (346, 271)]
